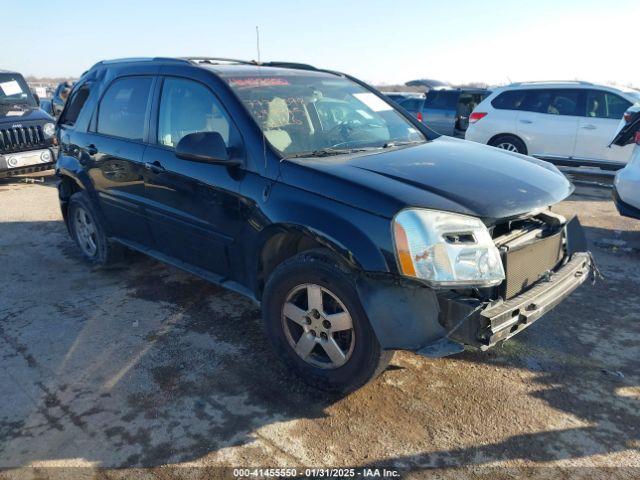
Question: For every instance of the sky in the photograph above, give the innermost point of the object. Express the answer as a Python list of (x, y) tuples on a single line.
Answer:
[(381, 42)]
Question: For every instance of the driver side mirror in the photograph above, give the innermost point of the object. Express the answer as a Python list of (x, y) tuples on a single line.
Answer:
[(206, 147), (36, 97)]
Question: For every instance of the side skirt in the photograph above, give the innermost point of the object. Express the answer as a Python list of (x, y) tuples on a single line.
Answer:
[(198, 272)]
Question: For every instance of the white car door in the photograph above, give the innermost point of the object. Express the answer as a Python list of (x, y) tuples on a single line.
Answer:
[(595, 130), (548, 122)]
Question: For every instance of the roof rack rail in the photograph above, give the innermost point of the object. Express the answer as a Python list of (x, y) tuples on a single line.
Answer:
[(218, 60), (136, 59), (301, 66), (221, 60), (551, 82)]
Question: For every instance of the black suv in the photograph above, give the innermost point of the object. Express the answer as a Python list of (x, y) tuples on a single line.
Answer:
[(27, 141), (356, 228)]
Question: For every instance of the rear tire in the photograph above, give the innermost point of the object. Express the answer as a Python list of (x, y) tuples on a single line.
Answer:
[(314, 319), (87, 230), (511, 143)]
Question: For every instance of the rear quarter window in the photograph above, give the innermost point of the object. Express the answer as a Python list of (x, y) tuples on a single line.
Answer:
[(74, 107), (412, 103), (442, 100), (510, 100)]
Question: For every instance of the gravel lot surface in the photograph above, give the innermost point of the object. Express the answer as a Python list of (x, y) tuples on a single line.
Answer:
[(146, 366)]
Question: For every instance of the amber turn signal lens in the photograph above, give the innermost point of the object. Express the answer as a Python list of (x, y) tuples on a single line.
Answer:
[(403, 252)]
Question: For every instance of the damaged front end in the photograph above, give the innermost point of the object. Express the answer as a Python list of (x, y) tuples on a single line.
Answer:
[(545, 258)]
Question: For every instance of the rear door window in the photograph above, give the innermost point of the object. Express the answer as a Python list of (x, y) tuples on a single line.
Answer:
[(442, 100), (552, 101), (602, 104), (124, 108)]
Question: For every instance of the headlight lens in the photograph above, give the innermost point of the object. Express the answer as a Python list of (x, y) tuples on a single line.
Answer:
[(45, 156), (446, 249), (49, 129)]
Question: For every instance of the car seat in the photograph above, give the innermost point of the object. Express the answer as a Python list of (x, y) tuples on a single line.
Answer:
[(277, 117)]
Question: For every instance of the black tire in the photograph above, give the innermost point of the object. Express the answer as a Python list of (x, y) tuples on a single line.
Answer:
[(106, 252), (503, 140), (318, 267)]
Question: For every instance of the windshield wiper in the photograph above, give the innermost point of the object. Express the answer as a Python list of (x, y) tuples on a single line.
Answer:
[(393, 143), (327, 152)]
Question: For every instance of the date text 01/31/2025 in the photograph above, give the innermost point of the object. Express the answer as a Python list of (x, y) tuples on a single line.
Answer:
[(315, 473)]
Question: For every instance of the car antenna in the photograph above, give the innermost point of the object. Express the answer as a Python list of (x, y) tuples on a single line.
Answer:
[(258, 42)]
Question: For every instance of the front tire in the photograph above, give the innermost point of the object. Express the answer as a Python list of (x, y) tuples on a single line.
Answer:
[(511, 143), (313, 318), (87, 230)]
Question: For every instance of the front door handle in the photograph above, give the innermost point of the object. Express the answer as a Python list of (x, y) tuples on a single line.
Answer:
[(91, 149), (155, 167), (588, 127)]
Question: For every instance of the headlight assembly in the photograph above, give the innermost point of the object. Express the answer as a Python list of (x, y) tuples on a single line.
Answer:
[(49, 129), (446, 249)]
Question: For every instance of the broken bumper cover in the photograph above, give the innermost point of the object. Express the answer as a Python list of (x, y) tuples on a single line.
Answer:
[(484, 327)]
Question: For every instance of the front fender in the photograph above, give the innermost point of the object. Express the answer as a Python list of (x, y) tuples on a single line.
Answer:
[(362, 239), (70, 167)]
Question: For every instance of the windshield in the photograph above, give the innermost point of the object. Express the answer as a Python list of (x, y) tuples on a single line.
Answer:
[(307, 113), (15, 91)]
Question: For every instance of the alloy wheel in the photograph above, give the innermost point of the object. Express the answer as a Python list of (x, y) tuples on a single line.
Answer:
[(85, 232), (318, 326), (508, 146)]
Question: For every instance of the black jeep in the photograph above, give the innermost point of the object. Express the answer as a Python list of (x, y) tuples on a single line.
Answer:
[(358, 229), (27, 141)]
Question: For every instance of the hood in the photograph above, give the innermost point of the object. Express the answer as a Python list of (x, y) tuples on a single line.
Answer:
[(445, 174), (23, 114)]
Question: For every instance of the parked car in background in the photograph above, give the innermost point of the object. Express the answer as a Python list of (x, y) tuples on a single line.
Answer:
[(568, 123), (626, 186), (447, 111), (429, 84), (46, 105), (412, 102), (60, 96), (27, 138), (307, 191)]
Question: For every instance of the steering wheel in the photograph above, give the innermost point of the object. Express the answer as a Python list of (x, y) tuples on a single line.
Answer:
[(348, 130)]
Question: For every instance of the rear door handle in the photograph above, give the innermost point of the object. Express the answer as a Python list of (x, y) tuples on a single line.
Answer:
[(155, 167), (588, 127), (526, 121)]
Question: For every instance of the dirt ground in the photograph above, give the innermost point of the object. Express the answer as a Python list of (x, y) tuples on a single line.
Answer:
[(146, 366)]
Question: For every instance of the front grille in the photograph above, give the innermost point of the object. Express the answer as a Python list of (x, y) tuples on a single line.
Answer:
[(21, 138), (526, 264)]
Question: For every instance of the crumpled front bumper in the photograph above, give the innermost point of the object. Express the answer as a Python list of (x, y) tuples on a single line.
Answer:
[(514, 315), (483, 326), (408, 315)]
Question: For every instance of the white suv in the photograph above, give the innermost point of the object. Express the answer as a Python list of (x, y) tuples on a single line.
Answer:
[(569, 123)]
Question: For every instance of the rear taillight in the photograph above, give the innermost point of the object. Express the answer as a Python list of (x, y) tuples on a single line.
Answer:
[(419, 116), (475, 116), (637, 138), (627, 116)]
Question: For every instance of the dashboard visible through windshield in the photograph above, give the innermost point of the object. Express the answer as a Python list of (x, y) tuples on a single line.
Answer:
[(320, 114)]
